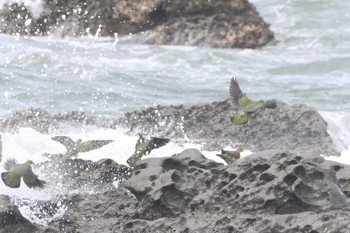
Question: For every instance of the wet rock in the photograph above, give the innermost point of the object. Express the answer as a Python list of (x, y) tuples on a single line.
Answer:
[(222, 24), (270, 191), (45, 123), (37, 119), (297, 128), (11, 219), (104, 212), (182, 22), (78, 174)]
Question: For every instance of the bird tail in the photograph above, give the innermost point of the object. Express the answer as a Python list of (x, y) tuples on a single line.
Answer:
[(10, 163)]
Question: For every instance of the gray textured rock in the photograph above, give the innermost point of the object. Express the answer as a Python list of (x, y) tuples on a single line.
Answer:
[(228, 24), (37, 119), (78, 174), (11, 219), (297, 128), (271, 191)]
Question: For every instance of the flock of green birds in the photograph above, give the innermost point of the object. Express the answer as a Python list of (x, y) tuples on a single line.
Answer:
[(15, 171)]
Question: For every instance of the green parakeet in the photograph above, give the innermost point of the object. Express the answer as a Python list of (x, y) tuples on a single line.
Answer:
[(74, 148), (15, 171), (245, 106), (230, 156), (144, 147)]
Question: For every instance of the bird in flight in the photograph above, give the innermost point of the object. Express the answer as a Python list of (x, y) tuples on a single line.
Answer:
[(144, 147), (15, 171), (246, 107), (76, 147)]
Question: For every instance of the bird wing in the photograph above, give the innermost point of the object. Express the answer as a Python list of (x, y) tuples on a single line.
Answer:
[(157, 142), (11, 180), (64, 140), (235, 92), (32, 181), (252, 107), (93, 145), (9, 164), (139, 142)]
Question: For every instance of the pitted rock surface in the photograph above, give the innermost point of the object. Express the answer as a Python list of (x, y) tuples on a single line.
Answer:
[(204, 23), (271, 191)]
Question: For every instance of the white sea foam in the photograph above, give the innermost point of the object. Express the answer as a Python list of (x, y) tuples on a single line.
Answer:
[(30, 144), (338, 128)]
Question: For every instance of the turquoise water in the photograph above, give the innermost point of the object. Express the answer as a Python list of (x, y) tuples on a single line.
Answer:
[(309, 62)]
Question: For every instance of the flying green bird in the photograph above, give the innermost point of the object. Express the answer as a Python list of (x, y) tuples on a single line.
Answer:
[(230, 156), (74, 148), (144, 147), (12, 178), (245, 106)]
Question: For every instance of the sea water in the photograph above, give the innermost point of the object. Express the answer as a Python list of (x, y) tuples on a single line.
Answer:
[(309, 63)]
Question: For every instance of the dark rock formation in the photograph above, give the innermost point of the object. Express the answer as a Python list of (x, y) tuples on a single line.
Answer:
[(297, 128), (37, 119), (45, 123), (11, 219), (271, 191), (227, 24)]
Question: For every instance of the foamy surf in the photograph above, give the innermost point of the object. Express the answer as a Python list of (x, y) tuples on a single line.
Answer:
[(29, 144)]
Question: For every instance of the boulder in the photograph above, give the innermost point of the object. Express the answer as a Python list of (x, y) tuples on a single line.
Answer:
[(11, 219), (224, 24), (296, 128), (78, 174), (270, 191), (35, 118)]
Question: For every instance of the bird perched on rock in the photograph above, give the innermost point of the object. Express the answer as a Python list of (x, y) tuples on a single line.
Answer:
[(144, 147), (245, 106), (74, 148), (230, 156), (12, 178)]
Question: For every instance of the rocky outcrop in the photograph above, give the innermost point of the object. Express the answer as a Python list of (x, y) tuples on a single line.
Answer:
[(11, 219), (45, 123), (297, 128), (224, 24), (78, 174), (270, 191)]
